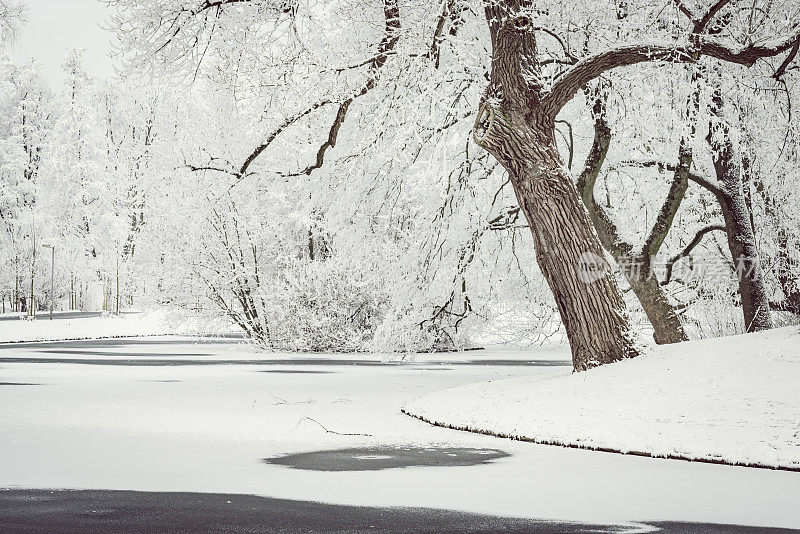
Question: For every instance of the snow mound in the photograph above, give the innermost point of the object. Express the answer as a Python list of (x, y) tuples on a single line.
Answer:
[(733, 400)]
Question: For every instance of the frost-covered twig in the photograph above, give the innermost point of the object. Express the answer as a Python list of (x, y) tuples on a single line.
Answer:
[(328, 431)]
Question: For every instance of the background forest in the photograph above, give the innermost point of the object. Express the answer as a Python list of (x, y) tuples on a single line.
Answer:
[(308, 169)]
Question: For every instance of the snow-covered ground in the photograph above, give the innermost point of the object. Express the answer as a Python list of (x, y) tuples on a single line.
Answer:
[(734, 399), (15, 327), (205, 422)]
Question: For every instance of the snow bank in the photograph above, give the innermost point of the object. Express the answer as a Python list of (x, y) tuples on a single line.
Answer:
[(63, 326), (731, 400)]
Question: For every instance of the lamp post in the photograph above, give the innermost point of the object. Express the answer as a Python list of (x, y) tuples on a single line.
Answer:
[(52, 269)]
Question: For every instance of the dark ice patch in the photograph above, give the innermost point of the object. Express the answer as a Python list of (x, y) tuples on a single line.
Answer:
[(294, 372)]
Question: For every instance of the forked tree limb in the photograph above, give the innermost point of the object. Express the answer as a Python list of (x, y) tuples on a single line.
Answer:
[(654, 301), (592, 67), (701, 23), (604, 225), (688, 250)]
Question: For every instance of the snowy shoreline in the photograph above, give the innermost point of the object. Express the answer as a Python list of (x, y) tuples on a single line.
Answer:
[(64, 327), (732, 401), (597, 449)]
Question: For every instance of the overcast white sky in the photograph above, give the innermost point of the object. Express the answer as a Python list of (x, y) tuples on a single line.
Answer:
[(54, 26)]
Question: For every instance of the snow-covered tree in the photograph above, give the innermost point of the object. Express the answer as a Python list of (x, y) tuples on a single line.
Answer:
[(24, 130), (351, 120)]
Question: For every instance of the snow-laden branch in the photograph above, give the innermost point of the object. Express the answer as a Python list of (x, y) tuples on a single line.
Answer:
[(386, 48), (453, 16), (12, 15), (701, 23), (276, 132), (688, 250), (594, 66), (708, 183)]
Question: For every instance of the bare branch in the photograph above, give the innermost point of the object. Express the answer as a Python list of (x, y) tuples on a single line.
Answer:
[(594, 66), (570, 140), (333, 133), (505, 221), (571, 59), (271, 137), (328, 431), (700, 25), (685, 10), (198, 168), (688, 250), (386, 47), (452, 13), (787, 61)]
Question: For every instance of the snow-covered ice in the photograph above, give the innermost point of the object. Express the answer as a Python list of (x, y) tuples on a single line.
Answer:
[(205, 425)]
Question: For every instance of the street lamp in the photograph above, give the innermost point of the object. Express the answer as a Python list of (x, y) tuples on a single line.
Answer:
[(52, 269)]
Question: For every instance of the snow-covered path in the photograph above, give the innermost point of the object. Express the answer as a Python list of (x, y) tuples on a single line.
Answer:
[(171, 414)]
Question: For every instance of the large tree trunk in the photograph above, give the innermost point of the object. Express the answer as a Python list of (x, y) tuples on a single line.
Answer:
[(739, 228), (785, 267), (742, 244), (592, 309), (567, 250), (517, 127)]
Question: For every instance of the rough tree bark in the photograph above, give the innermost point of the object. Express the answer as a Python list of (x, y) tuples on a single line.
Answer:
[(667, 326), (785, 268), (738, 221), (519, 131)]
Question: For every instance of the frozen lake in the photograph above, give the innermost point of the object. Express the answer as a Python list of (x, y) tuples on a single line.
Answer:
[(202, 415)]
